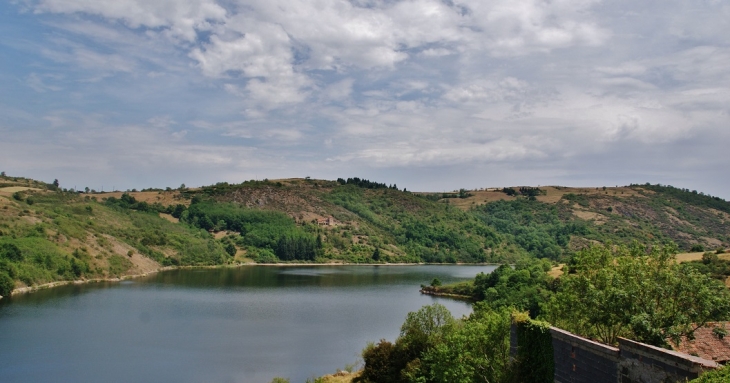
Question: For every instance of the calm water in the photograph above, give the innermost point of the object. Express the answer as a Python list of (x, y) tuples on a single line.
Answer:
[(227, 325)]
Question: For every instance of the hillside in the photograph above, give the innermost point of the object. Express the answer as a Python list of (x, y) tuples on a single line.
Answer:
[(50, 234)]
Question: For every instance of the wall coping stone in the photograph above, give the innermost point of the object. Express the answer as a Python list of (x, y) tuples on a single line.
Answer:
[(670, 357), (574, 339)]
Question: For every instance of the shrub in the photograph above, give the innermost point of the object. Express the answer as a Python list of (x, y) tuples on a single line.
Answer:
[(10, 252), (721, 375), (6, 284)]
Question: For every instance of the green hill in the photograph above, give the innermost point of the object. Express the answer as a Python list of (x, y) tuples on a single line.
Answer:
[(50, 234)]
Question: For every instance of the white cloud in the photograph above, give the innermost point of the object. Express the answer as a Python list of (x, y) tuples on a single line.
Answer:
[(178, 18), (380, 84)]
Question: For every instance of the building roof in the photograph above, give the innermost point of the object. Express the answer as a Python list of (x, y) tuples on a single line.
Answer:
[(707, 344)]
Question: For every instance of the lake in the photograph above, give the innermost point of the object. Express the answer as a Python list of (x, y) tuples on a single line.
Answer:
[(246, 324)]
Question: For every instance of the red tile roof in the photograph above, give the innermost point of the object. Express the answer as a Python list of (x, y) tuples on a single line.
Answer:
[(707, 344)]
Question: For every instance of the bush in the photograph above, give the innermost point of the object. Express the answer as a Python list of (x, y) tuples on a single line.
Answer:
[(696, 248), (721, 375), (6, 284), (11, 252)]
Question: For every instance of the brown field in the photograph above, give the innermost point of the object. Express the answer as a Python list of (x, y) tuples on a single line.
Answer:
[(687, 257), (340, 377), (554, 194), (556, 271), (12, 189), (165, 198)]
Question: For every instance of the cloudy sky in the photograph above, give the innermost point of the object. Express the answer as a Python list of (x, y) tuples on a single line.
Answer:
[(429, 94)]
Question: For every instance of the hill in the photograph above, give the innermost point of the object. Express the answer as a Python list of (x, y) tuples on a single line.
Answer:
[(49, 234)]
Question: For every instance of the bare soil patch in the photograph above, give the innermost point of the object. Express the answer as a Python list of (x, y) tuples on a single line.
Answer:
[(169, 217), (687, 257), (556, 271), (598, 219), (341, 377), (164, 198), (553, 195), (14, 189)]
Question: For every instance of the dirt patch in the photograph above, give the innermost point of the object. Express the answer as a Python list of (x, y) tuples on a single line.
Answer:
[(15, 189), (598, 219), (341, 377), (556, 271), (140, 263), (553, 194), (169, 217), (712, 242), (687, 257), (164, 198)]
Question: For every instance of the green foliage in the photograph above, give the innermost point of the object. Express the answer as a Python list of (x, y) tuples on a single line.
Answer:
[(721, 375), (383, 363), (580, 199), (118, 265), (296, 245), (711, 265), (10, 252), (424, 230), (435, 282), (690, 197), (622, 291), (279, 380), (434, 347), (535, 360), (526, 287), (6, 284), (127, 201), (477, 350), (363, 183), (541, 229), (387, 362), (259, 229)]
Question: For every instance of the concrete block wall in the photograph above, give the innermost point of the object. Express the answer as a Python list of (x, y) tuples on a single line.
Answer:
[(579, 360), (642, 363)]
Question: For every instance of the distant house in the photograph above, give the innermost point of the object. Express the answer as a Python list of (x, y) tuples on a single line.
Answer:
[(710, 342), (329, 221)]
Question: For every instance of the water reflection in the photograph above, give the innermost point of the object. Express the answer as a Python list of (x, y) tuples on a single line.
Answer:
[(244, 324)]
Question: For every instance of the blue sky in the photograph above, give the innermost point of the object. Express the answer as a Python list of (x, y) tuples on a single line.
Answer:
[(431, 95)]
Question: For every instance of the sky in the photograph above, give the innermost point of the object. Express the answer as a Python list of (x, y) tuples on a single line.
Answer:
[(431, 95)]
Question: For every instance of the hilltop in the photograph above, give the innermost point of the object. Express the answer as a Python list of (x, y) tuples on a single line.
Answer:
[(52, 234)]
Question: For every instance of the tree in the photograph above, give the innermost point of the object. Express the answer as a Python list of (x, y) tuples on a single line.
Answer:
[(721, 375), (230, 248), (386, 362), (11, 252), (6, 284), (376, 254), (55, 183), (626, 292), (475, 351)]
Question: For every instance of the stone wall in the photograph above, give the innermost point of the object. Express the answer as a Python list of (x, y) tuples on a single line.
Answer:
[(578, 360)]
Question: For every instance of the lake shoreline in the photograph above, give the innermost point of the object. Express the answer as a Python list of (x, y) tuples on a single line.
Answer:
[(50, 285)]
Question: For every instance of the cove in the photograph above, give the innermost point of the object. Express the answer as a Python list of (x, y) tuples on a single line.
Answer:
[(246, 324)]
